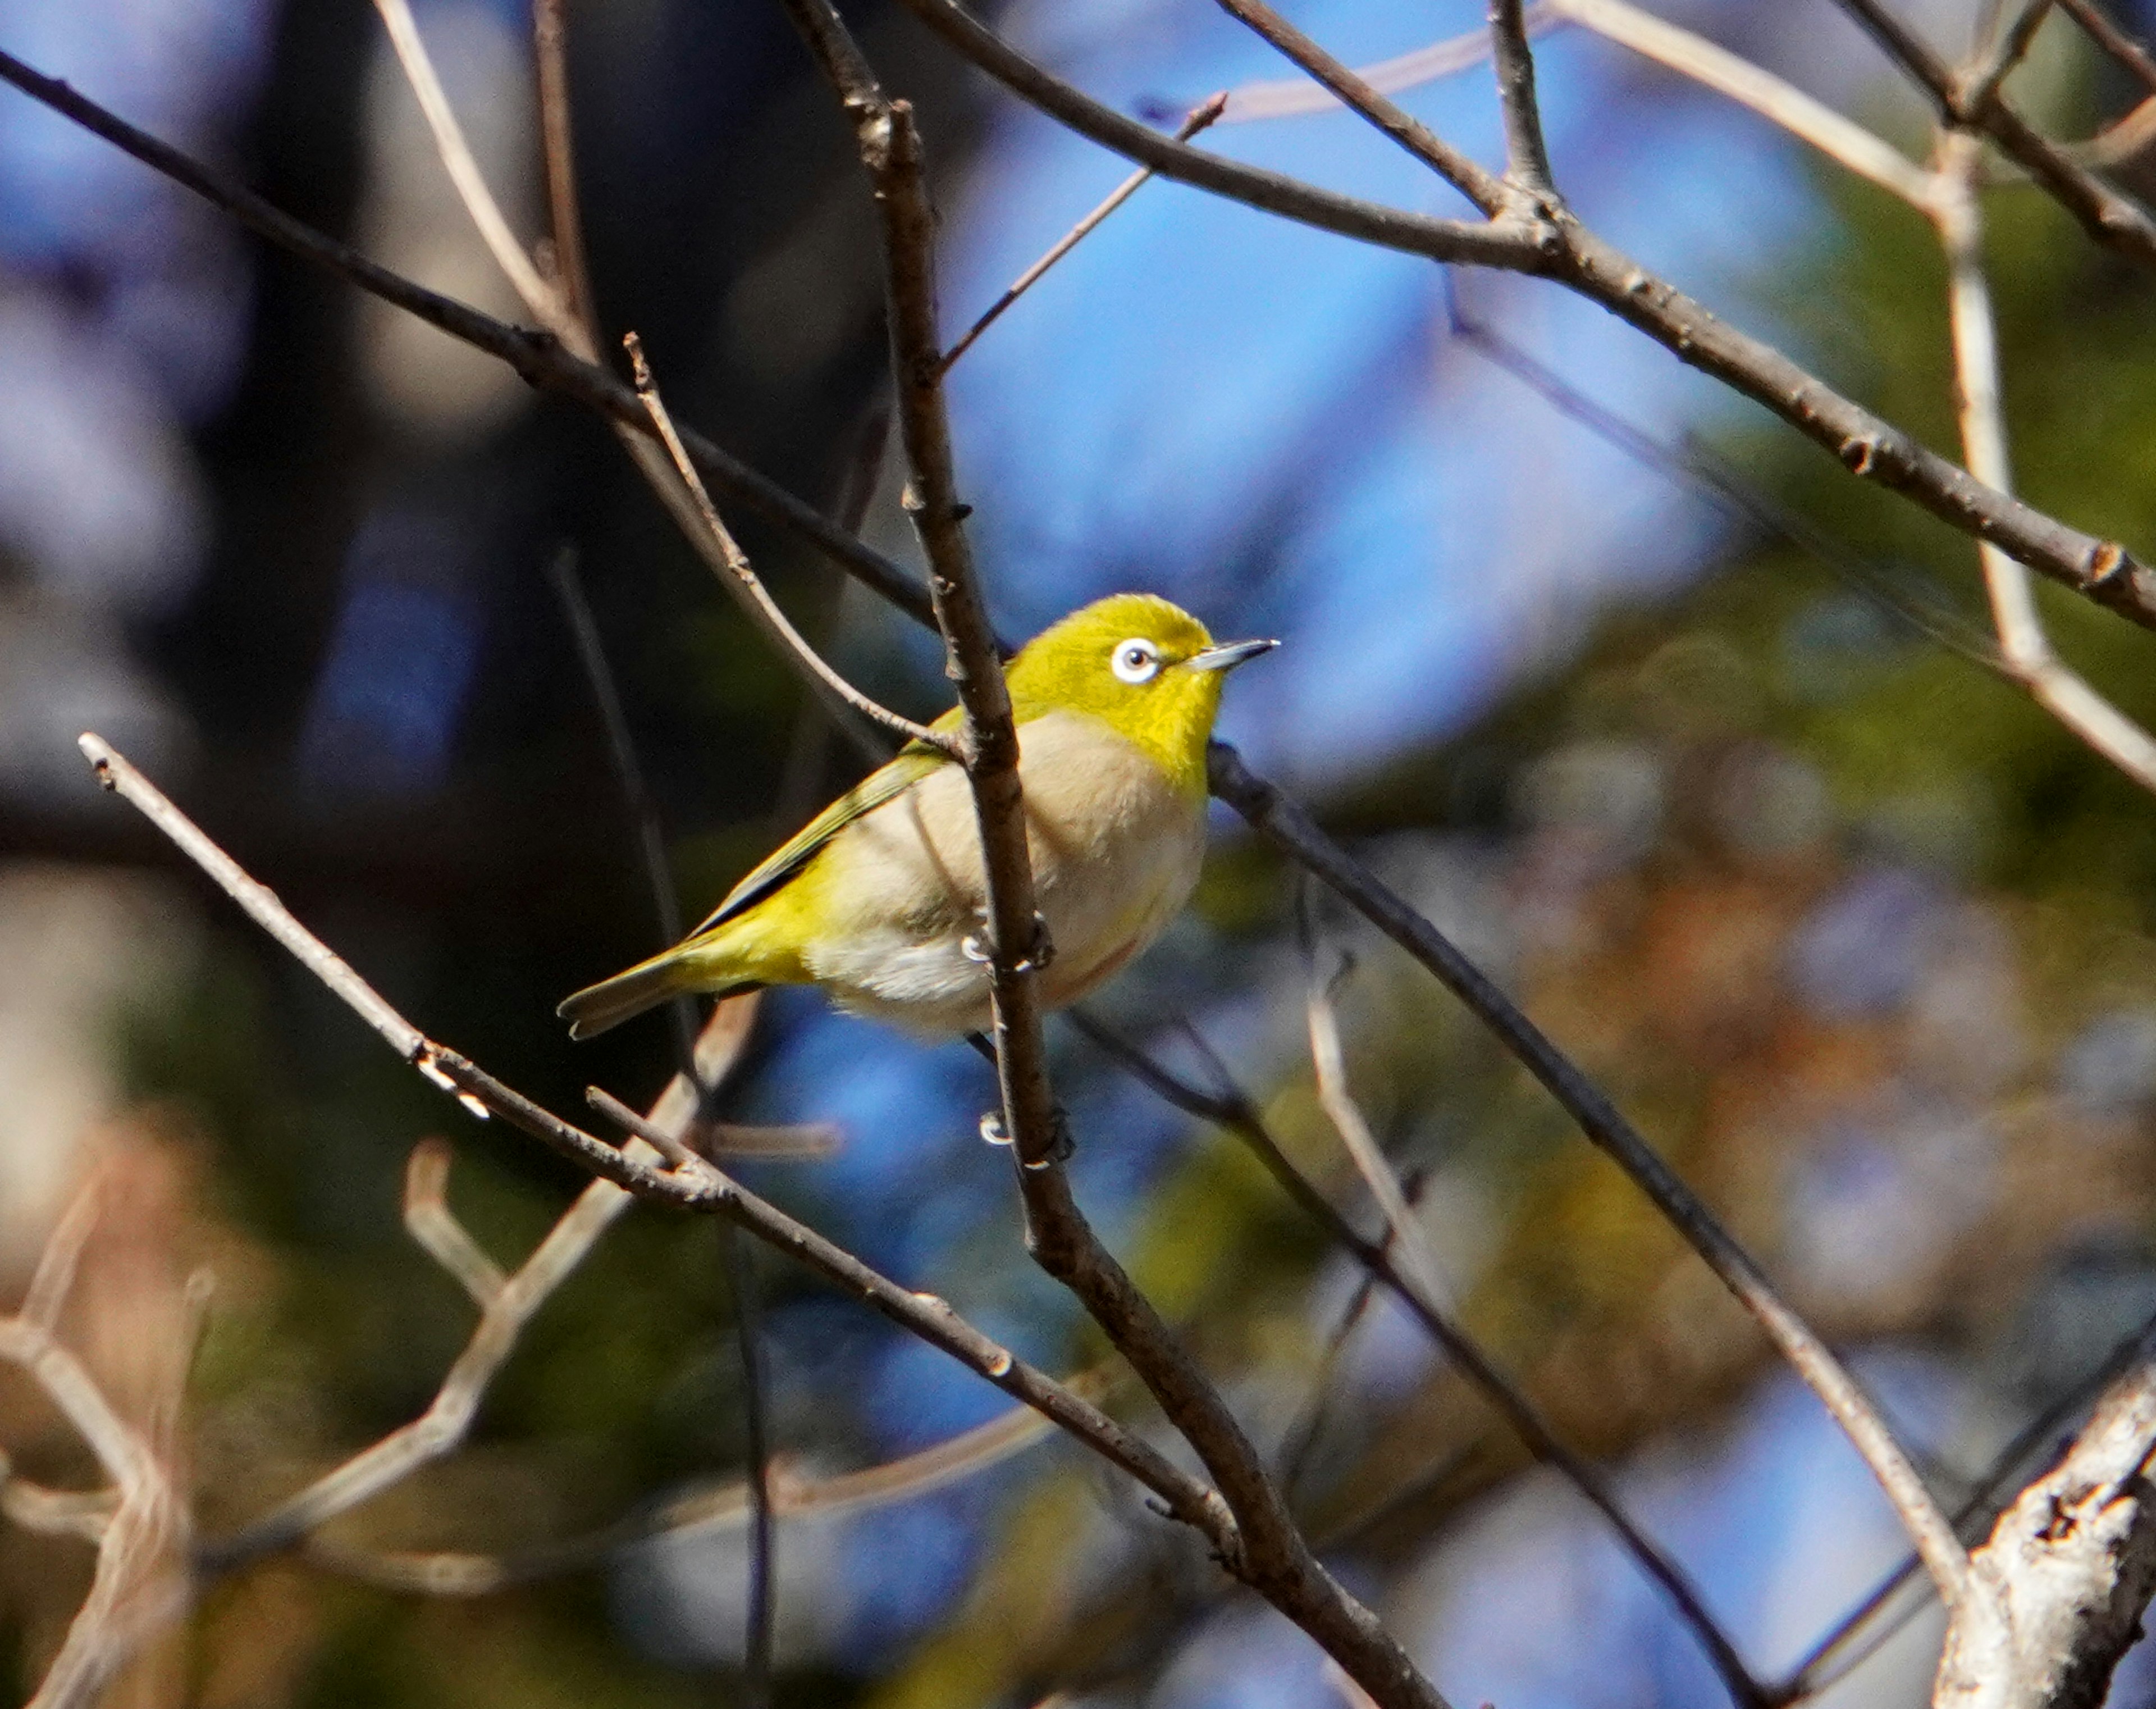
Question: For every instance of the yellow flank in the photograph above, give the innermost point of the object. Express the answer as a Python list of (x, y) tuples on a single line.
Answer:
[(880, 900)]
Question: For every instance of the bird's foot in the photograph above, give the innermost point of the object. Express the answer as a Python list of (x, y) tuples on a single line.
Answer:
[(1061, 1145), (1038, 955)]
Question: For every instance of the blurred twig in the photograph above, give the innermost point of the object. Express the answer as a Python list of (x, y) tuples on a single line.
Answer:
[(2025, 650), (2114, 40), (1973, 101), (1572, 256), (1288, 826), (1234, 1109), (1832, 1659), (139, 1528)]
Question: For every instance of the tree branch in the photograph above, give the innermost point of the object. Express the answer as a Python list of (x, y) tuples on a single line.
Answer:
[(699, 1187), (1288, 827), (1868, 446), (1975, 102), (2072, 1565)]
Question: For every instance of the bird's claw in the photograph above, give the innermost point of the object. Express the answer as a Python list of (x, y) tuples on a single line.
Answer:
[(1039, 953), (1061, 1144)]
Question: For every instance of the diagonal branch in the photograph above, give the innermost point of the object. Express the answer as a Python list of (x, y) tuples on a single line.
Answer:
[(1288, 826), (1870, 447), (1199, 117), (1458, 168), (699, 1187), (2071, 1564), (1272, 1555), (2025, 651)]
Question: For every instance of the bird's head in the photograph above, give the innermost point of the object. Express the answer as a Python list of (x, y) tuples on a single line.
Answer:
[(1143, 666)]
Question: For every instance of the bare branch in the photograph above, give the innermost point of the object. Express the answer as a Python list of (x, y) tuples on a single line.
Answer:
[(556, 135), (2114, 40), (1527, 153), (819, 675), (1288, 826), (704, 1189), (2025, 649), (139, 1527), (1462, 170), (2072, 1565), (1714, 67), (1199, 116), (1294, 97), (1403, 1232), (1271, 1553), (458, 1573), (1867, 445), (502, 244), (1835, 1655), (1234, 1109), (428, 1220), (2110, 218), (2101, 570)]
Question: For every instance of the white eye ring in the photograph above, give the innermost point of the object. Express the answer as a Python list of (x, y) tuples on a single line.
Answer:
[(1135, 660)]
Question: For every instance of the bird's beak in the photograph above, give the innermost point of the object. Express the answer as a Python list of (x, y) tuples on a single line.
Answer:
[(1229, 655)]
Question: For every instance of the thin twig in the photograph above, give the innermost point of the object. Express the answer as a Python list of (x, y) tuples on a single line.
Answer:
[(1824, 1664), (1714, 67), (557, 136), (1271, 1554), (1403, 1231), (2025, 649), (141, 1534), (2114, 40), (1527, 151), (1234, 1109), (1867, 445), (1298, 97), (2101, 570), (1694, 466), (1462, 170), (761, 1616), (2109, 217), (2070, 1566), (820, 676), (509, 254), (1288, 826), (1199, 116), (727, 1506)]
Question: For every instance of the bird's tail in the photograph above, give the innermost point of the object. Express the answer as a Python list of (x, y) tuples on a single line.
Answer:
[(594, 1009)]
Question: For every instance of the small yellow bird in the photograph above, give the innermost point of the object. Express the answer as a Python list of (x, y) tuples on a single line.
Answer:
[(879, 899)]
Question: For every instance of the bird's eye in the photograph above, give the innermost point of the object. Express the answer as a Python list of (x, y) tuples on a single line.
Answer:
[(1136, 661)]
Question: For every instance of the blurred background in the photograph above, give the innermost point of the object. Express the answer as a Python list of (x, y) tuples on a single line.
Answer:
[(1858, 936)]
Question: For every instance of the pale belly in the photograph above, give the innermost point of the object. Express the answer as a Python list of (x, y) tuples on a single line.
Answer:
[(1116, 849)]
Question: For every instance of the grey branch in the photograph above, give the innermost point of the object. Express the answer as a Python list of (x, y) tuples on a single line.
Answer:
[(2072, 1565)]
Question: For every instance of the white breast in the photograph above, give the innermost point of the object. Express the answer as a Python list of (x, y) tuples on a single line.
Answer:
[(1116, 849)]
